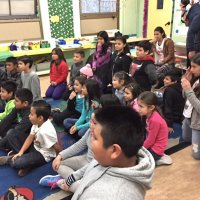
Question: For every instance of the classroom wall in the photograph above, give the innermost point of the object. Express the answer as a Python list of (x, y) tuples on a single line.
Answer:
[(61, 18), (159, 17), (131, 17)]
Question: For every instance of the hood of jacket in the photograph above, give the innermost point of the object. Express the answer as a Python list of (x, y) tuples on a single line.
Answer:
[(141, 173)]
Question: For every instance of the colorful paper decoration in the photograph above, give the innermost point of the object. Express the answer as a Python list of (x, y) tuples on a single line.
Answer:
[(55, 19), (63, 11)]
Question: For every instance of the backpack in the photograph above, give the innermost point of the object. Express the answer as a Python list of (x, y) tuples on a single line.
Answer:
[(18, 193)]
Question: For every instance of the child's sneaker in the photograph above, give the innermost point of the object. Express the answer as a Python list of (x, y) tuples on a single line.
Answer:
[(62, 184), (164, 160), (55, 110), (50, 180)]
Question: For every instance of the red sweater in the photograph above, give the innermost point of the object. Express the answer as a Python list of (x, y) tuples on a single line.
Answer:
[(157, 134), (59, 73)]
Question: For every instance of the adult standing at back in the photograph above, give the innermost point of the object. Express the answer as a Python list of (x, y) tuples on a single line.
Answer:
[(163, 49), (192, 20)]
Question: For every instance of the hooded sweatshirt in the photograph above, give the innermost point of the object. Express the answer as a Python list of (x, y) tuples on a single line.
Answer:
[(173, 104), (113, 183), (145, 73)]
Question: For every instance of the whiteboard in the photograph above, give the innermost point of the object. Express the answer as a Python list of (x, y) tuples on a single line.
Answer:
[(179, 30)]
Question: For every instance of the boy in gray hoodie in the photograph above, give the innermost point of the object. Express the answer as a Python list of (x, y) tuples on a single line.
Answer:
[(122, 168)]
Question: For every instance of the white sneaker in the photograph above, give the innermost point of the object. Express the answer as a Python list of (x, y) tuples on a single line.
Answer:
[(164, 160)]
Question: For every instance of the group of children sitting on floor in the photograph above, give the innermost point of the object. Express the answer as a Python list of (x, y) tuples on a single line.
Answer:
[(125, 132)]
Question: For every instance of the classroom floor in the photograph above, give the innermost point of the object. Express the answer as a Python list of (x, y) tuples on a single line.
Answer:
[(177, 181), (44, 83)]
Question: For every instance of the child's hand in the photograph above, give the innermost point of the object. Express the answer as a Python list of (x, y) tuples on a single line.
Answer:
[(72, 95), (191, 54), (53, 83), (73, 129), (171, 130), (188, 75), (56, 163), (95, 104), (185, 84), (62, 185), (70, 87), (16, 155)]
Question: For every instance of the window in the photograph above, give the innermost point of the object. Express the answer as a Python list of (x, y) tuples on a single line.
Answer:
[(18, 9), (99, 8)]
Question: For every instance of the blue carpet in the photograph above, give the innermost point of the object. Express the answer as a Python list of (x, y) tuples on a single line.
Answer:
[(9, 177), (31, 180)]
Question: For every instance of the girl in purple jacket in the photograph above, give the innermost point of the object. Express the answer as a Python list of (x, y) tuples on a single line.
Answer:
[(101, 57)]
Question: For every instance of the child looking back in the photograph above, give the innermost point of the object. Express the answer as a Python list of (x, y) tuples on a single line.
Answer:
[(30, 79), (120, 79), (58, 74), (131, 93), (122, 169), (91, 93), (143, 69), (173, 102), (41, 145), (74, 103), (8, 89), (157, 130)]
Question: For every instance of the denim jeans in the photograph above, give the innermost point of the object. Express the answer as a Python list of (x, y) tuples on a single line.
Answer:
[(177, 132), (68, 123), (196, 144), (30, 159), (186, 130)]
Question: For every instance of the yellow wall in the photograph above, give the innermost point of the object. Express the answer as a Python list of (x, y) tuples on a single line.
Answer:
[(159, 17)]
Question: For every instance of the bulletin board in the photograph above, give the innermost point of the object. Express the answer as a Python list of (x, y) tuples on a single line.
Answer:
[(61, 18), (179, 30)]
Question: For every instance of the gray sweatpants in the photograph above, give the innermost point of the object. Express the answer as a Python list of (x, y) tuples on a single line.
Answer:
[(68, 166)]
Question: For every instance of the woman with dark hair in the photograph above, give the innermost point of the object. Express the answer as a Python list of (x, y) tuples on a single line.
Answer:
[(163, 49)]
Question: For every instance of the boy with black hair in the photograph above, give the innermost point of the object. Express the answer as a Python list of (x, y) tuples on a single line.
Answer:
[(123, 169), (79, 57), (7, 93), (77, 65), (12, 72), (40, 146), (30, 79), (173, 101), (16, 126), (143, 69)]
